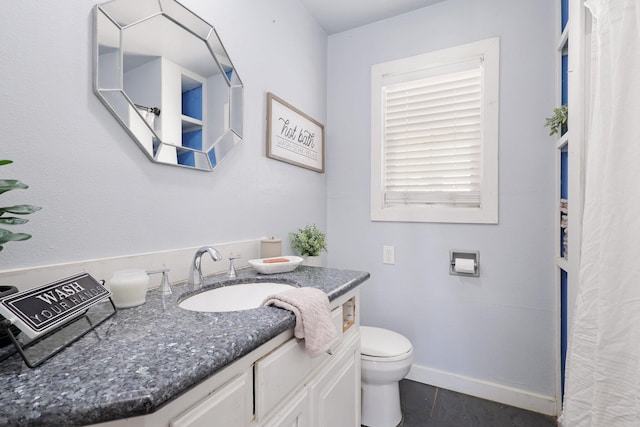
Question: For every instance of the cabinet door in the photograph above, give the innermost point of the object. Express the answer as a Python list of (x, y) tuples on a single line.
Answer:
[(294, 414), (284, 370), (229, 406), (335, 395)]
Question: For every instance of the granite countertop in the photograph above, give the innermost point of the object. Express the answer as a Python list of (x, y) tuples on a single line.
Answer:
[(145, 356)]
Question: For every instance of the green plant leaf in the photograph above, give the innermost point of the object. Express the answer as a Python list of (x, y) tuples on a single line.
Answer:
[(308, 241), (11, 184), (558, 122), (8, 185), (12, 220), (20, 209), (8, 236)]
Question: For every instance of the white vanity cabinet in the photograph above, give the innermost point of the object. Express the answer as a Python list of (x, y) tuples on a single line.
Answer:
[(335, 395), (326, 394), (292, 389), (330, 398), (285, 370), (294, 414), (230, 406), (276, 385), (223, 400)]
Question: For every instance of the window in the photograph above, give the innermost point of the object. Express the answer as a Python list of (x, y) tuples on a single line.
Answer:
[(434, 154)]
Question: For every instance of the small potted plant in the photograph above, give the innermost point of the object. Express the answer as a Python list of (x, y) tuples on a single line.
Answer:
[(558, 122), (309, 242)]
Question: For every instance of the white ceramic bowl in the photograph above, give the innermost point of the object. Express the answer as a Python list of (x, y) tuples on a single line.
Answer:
[(276, 267)]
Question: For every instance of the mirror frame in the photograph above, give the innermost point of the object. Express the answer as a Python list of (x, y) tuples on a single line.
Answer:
[(109, 84)]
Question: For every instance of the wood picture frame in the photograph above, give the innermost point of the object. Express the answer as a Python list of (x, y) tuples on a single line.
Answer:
[(293, 136)]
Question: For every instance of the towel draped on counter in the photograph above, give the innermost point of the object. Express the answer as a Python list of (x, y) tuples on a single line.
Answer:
[(313, 317)]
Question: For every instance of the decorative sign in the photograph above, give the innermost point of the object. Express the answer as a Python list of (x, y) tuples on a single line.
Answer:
[(41, 309), (294, 137)]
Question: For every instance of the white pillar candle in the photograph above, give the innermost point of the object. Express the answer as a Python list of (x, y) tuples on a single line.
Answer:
[(129, 287)]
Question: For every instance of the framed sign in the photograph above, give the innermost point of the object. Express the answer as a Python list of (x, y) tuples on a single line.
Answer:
[(44, 308), (293, 136)]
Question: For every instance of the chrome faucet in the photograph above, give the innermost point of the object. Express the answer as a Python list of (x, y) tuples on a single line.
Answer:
[(196, 280)]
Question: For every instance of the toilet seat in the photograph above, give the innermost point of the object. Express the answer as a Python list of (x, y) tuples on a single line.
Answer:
[(380, 344)]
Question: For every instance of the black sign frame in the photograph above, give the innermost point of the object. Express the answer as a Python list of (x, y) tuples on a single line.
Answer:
[(41, 309)]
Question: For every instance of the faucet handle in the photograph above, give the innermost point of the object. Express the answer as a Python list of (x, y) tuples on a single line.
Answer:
[(165, 288), (232, 268)]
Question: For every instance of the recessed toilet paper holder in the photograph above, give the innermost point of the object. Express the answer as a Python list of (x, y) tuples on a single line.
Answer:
[(468, 263)]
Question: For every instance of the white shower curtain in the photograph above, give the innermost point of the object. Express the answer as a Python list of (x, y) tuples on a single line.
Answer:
[(602, 386)]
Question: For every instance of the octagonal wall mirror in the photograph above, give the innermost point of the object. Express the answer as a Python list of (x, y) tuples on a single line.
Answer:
[(164, 74)]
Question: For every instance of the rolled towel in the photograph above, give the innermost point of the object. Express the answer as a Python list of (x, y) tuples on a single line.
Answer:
[(313, 317)]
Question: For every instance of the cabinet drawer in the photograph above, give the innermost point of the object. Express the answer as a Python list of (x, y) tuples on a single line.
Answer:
[(228, 406), (280, 372)]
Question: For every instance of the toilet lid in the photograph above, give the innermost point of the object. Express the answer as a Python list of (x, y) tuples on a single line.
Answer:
[(379, 342)]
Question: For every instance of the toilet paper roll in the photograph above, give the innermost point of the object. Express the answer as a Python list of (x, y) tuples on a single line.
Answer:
[(464, 265), (270, 248)]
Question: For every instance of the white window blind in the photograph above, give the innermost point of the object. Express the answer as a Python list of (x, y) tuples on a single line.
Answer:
[(432, 138)]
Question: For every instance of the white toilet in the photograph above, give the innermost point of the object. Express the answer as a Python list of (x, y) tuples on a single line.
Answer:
[(386, 359)]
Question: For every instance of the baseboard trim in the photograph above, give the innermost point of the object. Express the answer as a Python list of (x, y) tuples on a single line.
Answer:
[(484, 389)]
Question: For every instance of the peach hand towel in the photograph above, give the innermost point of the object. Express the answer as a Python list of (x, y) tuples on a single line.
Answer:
[(313, 317)]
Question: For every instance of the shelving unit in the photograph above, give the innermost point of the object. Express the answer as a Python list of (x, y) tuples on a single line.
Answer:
[(571, 91), (180, 125), (562, 190), (191, 118)]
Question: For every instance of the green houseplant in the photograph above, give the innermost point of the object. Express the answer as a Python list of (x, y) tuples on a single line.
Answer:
[(6, 235), (308, 241), (558, 122)]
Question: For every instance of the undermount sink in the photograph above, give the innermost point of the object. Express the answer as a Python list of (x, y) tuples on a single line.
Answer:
[(236, 297)]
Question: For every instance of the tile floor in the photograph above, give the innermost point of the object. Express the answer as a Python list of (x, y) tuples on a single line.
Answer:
[(427, 406)]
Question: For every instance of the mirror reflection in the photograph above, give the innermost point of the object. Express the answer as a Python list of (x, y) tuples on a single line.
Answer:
[(164, 74)]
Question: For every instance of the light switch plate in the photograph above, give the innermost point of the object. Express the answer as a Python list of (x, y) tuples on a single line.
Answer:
[(389, 254)]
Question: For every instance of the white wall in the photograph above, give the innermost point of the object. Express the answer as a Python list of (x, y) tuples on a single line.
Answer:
[(100, 195), (492, 335)]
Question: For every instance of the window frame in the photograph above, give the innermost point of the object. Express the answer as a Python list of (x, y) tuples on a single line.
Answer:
[(487, 213)]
